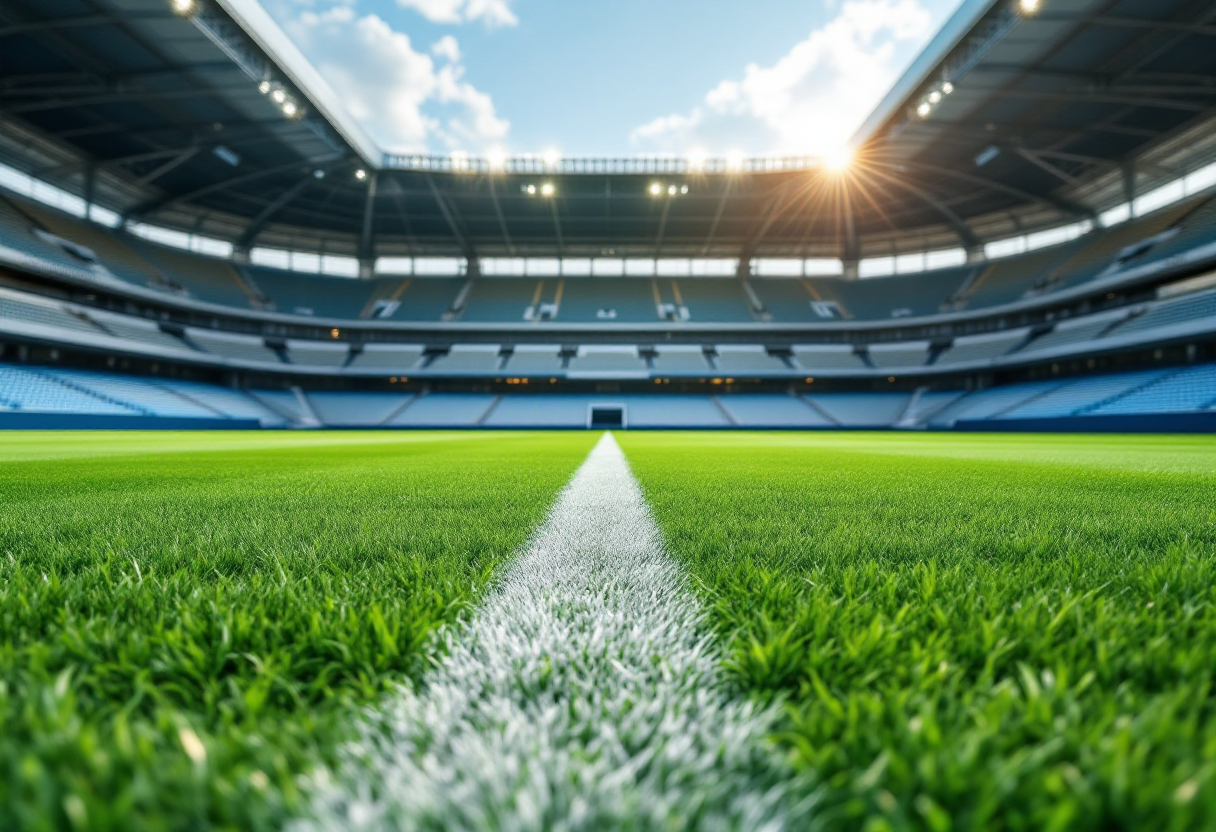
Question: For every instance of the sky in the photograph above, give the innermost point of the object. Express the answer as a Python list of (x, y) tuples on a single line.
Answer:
[(611, 77)]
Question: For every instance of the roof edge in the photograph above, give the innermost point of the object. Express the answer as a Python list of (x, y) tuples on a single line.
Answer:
[(257, 23), (947, 38)]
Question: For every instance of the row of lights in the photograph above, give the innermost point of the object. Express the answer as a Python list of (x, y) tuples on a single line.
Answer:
[(543, 189), (658, 189), (934, 97), (280, 96)]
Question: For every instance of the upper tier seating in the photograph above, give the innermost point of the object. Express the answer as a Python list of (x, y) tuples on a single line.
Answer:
[(16, 232), (499, 299), (112, 248), (897, 296), (204, 278), (716, 299), (1074, 332), (137, 330), (308, 294), (607, 300)]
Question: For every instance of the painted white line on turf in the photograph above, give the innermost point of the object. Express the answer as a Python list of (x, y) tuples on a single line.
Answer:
[(584, 694)]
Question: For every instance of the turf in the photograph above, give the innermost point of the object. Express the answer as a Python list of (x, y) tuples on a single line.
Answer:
[(189, 621), (969, 632)]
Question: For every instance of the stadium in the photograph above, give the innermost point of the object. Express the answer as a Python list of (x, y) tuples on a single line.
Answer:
[(349, 488)]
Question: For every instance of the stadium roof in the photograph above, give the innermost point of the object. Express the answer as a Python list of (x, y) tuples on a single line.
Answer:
[(201, 115)]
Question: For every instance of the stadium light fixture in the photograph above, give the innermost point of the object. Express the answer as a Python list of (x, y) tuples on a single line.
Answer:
[(183, 6), (923, 109), (947, 88), (656, 188), (683, 189), (360, 174), (278, 96), (671, 190), (1028, 6), (935, 97), (290, 109), (531, 190), (547, 189), (264, 87)]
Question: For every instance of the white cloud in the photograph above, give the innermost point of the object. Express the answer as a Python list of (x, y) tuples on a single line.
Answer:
[(491, 12), (446, 47), (404, 101), (811, 100)]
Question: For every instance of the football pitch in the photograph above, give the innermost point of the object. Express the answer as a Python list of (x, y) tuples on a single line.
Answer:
[(454, 630)]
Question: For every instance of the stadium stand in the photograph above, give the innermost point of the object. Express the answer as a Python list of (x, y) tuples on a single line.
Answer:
[(746, 359), (717, 299), (229, 345), (110, 248), (541, 411), (607, 300), (205, 278), (311, 295), (1180, 391), (445, 410), (982, 347), (761, 410), (1172, 313), (1073, 397), (467, 358), (899, 356), (861, 409), (986, 404), (36, 390), (1076, 331), (534, 359), (500, 300), (357, 409), (318, 353), (606, 359), (681, 359), (817, 359), (387, 358), (48, 313)]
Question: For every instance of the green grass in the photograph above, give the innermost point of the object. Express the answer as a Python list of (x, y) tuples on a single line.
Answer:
[(969, 632), (189, 621)]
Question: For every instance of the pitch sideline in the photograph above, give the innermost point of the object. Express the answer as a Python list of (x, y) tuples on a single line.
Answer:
[(583, 694)]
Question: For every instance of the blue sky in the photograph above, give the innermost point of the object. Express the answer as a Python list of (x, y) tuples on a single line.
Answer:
[(622, 78)]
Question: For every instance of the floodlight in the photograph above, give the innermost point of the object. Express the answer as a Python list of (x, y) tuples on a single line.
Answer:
[(656, 188), (183, 6), (278, 96), (671, 190), (947, 88), (531, 190), (547, 189), (1028, 6), (683, 189), (264, 87), (935, 97), (360, 174), (923, 109), (289, 109)]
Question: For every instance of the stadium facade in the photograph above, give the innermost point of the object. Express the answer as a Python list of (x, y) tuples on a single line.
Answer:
[(194, 233)]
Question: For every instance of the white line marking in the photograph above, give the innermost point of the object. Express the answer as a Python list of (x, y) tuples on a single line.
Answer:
[(584, 694)]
